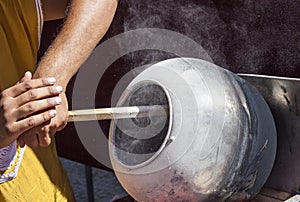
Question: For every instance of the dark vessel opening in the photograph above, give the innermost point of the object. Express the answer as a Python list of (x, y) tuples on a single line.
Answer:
[(139, 139)]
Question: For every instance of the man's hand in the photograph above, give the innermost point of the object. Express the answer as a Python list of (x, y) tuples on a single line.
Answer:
[(85, 24), (41, 135), (26, 105)]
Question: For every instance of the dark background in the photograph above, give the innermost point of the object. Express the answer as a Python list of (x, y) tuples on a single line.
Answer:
[(261, 37)]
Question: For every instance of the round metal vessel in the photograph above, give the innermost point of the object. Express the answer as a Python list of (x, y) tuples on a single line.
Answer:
[(216, 142)]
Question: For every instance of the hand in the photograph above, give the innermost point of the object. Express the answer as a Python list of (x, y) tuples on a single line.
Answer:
[(41, 135), (26, 105)]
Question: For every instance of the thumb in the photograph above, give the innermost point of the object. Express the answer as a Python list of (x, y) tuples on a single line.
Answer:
[(27, 76)]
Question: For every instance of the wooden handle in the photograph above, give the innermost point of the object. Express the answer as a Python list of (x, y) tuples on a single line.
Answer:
[(117, 113)]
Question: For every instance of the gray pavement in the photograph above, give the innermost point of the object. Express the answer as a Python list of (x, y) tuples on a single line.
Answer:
[(106, 186)]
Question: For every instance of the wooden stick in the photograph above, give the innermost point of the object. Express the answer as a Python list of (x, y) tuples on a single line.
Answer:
[(117, 113)]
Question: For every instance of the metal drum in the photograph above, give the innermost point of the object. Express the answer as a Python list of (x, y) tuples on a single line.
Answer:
[(216, 140)]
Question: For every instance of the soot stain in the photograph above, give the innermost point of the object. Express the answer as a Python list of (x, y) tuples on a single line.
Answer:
[(283, 89), (176, 179)]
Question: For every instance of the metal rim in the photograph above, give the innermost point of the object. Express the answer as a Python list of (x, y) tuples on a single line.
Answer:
[(124, 97)]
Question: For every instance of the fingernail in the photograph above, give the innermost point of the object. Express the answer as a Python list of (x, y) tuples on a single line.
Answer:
[(59, 89), (54, 101), (28, 73), (51, 80), (52, 113), (57, 100)]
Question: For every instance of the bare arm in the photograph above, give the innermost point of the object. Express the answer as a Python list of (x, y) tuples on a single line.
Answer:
[(86, 24)]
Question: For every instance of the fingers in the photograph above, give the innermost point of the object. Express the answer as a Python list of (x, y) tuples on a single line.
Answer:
[(27, 76), (36, 106), (44, 136), (27, 85), (41, 134), (62, 124), (31, 139), (46, 131), (37, 94), (38, 136), (25, 106), (33, 121)]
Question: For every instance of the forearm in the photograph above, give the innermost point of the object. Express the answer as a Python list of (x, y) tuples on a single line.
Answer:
[(86, 24)]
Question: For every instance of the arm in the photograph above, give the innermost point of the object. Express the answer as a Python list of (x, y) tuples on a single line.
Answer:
[(86, 23)]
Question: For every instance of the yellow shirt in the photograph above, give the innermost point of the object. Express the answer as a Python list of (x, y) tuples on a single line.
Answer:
[(41, 176)]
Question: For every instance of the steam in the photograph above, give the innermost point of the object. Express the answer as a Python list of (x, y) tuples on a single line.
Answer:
[(243, 36), (194, 19)]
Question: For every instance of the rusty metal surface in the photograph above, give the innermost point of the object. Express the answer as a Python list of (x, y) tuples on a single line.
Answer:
[(283, 97)]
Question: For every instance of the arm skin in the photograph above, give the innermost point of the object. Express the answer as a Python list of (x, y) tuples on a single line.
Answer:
[(21, 107), (86, 23)]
